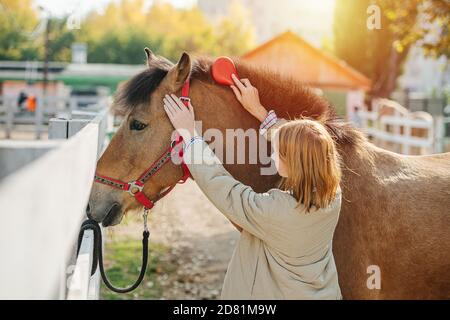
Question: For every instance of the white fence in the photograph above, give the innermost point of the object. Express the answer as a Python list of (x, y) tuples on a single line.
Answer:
[(42, 205), (442, 142), (11, 116), (402, 131)]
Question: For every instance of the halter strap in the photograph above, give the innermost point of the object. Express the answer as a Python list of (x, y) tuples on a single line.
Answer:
[(136, 187), (185, 93)]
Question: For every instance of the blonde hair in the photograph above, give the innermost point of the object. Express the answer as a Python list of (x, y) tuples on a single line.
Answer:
[(311, 160)]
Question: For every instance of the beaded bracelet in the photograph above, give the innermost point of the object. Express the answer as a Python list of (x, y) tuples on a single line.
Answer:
[(193, 139)]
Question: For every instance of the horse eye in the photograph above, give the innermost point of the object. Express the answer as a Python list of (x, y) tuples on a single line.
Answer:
[(137, 125)]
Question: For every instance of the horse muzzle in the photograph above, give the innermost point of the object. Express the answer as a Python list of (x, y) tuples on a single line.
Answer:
[(109, 217)]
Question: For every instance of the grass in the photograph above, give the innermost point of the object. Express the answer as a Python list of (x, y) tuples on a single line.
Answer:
[(123, 260)]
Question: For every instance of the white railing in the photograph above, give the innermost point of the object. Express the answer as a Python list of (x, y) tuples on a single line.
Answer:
[(41, 207), (81, 285), (399, 131), (11, 116), (442, 141)]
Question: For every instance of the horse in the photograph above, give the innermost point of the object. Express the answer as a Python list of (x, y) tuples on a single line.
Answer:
[(393, 236)]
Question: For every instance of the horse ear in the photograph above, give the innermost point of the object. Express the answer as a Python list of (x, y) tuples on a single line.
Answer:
[(180, 72), (150, 55)]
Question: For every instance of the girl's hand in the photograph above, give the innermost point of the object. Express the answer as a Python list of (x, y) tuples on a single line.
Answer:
[(182, 118), (248, 96)]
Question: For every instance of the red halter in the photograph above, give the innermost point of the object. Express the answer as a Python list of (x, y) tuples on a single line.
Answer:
[(136, 187)]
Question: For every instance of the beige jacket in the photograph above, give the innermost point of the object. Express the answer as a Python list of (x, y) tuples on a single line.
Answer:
[(283, 252)]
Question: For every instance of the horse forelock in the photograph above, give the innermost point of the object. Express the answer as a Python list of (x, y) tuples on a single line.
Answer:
[(138, 89)]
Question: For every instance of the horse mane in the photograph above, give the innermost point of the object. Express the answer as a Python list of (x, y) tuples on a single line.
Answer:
[(138, 89), (286, 95)]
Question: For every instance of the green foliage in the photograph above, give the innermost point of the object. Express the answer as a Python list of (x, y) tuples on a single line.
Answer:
[(60, 41), (120, 33), (17, 21), (127, 28), (235, 35), (123, 46), (422, 22), (380, 54)]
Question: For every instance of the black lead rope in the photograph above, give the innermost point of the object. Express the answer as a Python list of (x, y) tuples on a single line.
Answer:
[(98, 254)]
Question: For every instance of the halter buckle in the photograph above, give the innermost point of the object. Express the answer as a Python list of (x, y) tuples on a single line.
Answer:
[(133, 186)]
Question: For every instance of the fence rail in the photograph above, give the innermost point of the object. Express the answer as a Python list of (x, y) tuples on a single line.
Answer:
[(400, 132), (41, 207), (82, 285), (11, 115)]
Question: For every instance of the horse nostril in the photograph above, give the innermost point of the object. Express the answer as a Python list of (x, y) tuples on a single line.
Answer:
[(88, 211)]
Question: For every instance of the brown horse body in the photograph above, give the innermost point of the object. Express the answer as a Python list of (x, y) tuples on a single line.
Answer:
[(396, 209)]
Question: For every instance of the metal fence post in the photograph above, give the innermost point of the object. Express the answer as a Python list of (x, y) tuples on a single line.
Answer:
[(9, 116), (40, 103)]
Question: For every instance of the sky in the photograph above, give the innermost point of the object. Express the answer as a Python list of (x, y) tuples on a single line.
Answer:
[(61, 8)]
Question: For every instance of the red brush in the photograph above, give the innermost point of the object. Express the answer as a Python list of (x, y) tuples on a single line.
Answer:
[(222, 69)]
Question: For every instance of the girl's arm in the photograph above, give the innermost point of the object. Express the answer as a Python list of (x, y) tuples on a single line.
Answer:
[(248, 96), (244, 207), (238, 202)]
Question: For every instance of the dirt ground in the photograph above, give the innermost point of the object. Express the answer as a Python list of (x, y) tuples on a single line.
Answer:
[(200, 242)]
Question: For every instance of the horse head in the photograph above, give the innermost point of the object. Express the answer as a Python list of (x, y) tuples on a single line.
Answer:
[(143, 136)]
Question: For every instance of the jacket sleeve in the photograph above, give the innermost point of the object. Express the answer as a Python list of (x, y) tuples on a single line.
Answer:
[(268, 134), (238, 202)]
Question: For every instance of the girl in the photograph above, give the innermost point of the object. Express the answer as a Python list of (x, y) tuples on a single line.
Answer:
[(285, 246)]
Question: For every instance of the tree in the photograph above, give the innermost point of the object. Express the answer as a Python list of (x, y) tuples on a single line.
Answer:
[(119, 34), (181, 30), (122, 23), (60, 40), (17, 21), (235, 33), (425, 23), (22, 34), (122, 47), (380, 53), (128, 27)]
